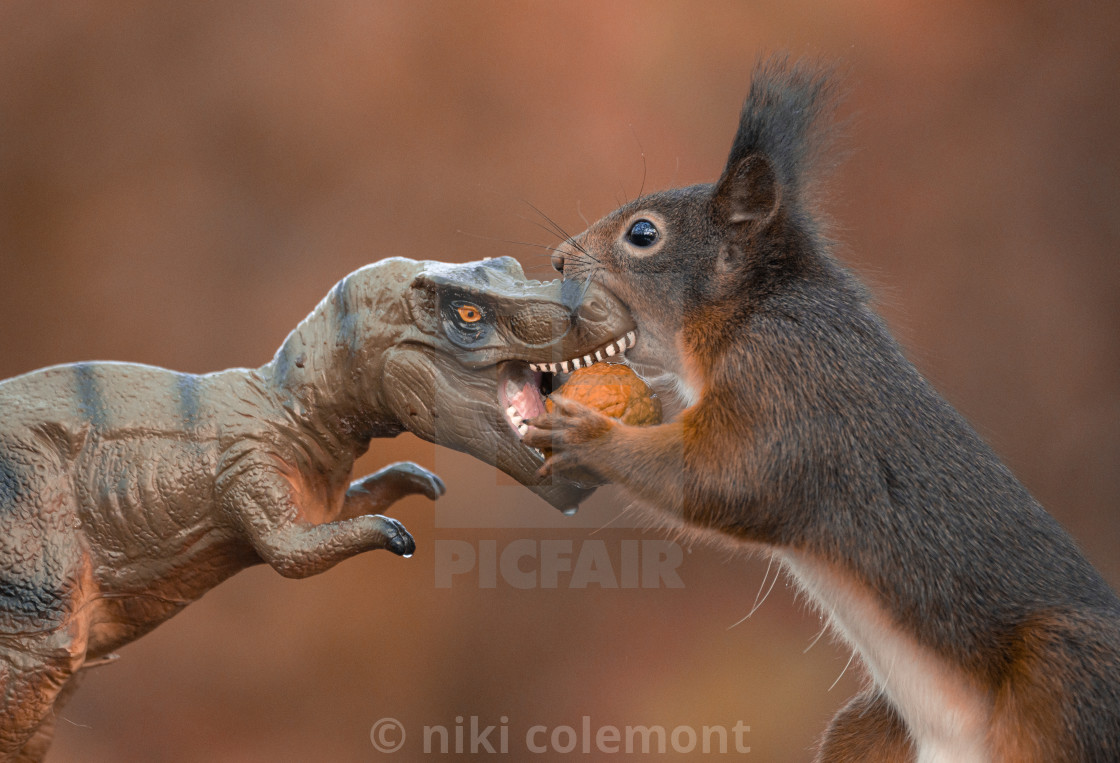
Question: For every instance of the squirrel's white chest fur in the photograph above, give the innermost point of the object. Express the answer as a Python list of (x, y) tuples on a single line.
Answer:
[(947, 717)]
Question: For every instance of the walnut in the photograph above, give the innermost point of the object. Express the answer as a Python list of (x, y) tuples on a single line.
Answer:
[(614, 390)]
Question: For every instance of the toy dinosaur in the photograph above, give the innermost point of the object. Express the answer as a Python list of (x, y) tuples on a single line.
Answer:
[(127, 491)]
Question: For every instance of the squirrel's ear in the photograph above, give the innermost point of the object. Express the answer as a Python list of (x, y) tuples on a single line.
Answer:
[(748, 196)]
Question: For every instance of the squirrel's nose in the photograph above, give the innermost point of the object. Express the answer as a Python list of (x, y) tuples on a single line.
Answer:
[(558, 261)]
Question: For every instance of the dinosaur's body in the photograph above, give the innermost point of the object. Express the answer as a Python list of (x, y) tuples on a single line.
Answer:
[(127, 491)]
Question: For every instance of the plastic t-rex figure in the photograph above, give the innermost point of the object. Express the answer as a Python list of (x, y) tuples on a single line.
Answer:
[(127, 491)]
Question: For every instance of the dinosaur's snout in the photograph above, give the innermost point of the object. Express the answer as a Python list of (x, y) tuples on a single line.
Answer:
[(507, 265), (540, 323), (595, 308)]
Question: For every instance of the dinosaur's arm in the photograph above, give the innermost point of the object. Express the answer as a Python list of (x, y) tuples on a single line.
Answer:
[(299, 551), (266, 504), (375, 492)]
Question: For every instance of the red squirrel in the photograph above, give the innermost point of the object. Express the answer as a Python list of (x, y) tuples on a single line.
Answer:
[(986, 634)]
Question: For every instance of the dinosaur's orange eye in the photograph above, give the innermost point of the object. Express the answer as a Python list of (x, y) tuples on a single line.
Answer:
[(470, 313)]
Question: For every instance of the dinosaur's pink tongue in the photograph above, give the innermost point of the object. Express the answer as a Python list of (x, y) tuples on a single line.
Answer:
[(519, 394), (527, 400)]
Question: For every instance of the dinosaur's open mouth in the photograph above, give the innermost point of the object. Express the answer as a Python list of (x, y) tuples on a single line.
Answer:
[(522, 387)]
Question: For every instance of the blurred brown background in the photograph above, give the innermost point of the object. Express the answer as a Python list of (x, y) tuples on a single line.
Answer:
[(180, 183)]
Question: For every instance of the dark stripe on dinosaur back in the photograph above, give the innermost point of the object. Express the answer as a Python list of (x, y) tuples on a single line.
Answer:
[(90, 403), (188, 399), (340, 296), (283, 361), (11, 487), (28, 601), (345, 318), (34, 604)]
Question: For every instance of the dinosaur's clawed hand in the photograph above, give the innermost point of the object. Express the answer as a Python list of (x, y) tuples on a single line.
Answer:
[(398, 539), (570, 431)]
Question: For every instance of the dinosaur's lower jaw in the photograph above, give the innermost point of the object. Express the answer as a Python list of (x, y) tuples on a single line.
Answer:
[(523, 387)]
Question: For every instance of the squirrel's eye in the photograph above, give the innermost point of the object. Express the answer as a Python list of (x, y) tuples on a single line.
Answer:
[(469, 313), (642, 234)]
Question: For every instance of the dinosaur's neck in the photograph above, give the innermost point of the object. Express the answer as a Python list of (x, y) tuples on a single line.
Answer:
[(322, 373)]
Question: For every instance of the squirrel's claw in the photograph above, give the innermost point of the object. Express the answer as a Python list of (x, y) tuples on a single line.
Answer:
[(573, 465), (569, 425), (539, 435), (558, 463)]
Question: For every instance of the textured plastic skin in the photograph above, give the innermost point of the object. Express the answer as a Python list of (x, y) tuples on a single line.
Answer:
[(128, 491)]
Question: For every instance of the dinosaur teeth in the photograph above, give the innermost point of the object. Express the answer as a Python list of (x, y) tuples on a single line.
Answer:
[(617, 347)]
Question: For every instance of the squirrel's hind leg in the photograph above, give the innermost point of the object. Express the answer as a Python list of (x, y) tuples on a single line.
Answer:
[(866, 730)]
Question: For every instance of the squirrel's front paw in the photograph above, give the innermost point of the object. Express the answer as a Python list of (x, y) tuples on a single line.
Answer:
[(569, 432)]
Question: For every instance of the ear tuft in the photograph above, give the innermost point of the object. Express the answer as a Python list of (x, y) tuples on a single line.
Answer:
[(783, 140), (749, 193)]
